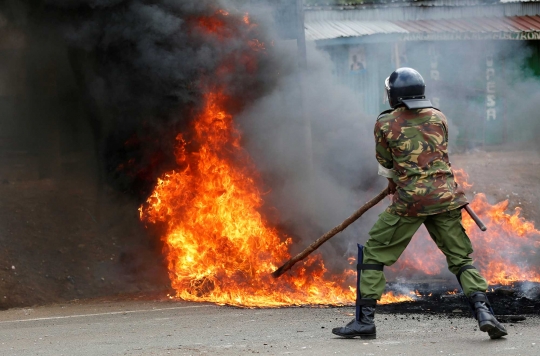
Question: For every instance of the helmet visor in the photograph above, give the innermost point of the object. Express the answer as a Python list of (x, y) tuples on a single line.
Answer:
[(386, 91)]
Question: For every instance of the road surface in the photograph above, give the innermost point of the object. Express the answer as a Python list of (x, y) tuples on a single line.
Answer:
[(169, 327)]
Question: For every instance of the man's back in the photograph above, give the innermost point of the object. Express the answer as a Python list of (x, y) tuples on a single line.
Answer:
[(414, 143)]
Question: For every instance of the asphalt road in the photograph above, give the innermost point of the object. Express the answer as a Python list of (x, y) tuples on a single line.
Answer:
[(182, 328)]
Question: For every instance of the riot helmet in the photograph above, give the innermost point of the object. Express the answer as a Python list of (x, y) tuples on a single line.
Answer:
[(404, 83)]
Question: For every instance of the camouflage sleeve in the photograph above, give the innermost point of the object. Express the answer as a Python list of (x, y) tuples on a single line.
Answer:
[(382, 151), (445, 125)]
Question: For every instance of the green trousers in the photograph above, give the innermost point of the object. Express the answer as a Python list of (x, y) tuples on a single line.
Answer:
[(392, 233)]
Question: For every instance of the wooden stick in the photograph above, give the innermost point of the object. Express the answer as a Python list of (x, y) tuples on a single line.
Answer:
[(315, 245)]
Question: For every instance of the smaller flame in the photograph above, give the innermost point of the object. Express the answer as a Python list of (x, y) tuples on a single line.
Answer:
[(390, 297), (507, 244)]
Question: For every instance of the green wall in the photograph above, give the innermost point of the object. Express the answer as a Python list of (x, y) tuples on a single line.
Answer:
[(487, 89)]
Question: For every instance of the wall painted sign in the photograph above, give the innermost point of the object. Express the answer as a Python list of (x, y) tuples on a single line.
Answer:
[(357, 59)]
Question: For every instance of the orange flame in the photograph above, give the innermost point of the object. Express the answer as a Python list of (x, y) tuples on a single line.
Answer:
[(219, 248), (390, 297), (246, 19), (506, 249)]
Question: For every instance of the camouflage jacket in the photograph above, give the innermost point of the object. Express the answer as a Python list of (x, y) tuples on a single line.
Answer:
[(414, 143)]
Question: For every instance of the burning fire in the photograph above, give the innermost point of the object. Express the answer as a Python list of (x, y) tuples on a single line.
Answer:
[(505, 250), (390, 297), (220, 248), (417, 294)]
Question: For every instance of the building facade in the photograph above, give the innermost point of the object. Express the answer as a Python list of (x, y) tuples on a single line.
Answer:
[(480, 59)]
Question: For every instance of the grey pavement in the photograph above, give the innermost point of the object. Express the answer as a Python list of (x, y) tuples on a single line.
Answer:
[(183, 328)]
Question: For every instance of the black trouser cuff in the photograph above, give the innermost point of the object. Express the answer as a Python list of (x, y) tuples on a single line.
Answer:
[(479, 297), (373, 267), (463, 269)]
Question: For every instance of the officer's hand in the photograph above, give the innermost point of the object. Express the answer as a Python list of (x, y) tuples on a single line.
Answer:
[(391, 186)]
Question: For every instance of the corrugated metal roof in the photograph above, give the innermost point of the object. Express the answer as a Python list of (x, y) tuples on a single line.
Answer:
[(473, 25), (322, 4), (325, 30), (412, 13)]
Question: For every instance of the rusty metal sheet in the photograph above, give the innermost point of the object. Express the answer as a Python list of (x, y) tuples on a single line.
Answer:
[(473, 25)]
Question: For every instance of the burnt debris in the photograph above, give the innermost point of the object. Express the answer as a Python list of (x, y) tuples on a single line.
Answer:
[(509, 303)]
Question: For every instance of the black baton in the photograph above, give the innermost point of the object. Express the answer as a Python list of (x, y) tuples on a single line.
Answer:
[(475, 217)]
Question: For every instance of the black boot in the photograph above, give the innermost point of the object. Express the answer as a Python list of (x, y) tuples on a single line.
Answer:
[(483, 313), (363, 325)]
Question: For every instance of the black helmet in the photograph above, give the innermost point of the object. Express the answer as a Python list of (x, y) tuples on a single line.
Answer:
[(404, 83)]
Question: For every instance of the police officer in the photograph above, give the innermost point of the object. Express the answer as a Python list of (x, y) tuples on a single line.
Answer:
[(412, 151)]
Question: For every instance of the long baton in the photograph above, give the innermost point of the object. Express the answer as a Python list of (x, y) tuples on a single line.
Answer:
[(315, 245)]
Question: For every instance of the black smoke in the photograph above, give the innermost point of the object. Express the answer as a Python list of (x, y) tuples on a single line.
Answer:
[(143, 68)]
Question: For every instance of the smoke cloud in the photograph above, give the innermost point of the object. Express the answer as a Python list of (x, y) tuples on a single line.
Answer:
[(314, 147), (145, 67), (311, 116), (95, 92)]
